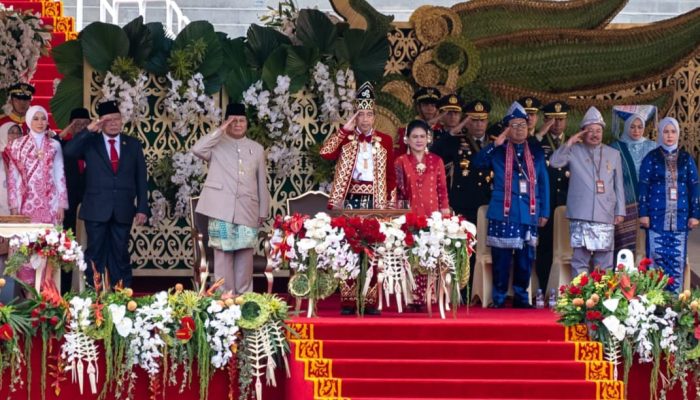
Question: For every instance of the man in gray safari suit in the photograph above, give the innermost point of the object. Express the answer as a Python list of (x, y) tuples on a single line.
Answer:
[(596, 197)]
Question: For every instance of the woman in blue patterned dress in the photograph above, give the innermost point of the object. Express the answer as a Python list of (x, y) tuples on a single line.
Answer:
[(669, 202)]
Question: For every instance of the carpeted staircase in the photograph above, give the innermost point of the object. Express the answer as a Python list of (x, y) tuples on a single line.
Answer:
[(63, 29), (488, 354)]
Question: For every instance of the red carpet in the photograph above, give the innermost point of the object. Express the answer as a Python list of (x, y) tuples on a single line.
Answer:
[(483, 354)]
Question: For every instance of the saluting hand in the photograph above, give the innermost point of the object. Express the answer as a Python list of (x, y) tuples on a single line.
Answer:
[(350, 125), (436, 118), (575, 139), (544, 129), (502, 137), (95, 125), (226, 123)]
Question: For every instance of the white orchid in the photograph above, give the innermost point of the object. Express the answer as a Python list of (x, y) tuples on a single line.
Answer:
[(123, 323)]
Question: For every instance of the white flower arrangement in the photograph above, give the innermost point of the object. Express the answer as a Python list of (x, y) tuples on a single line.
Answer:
[(132, 98), (52, 243), (336, 95), (221, 332), (23, 39), (146, 344), (192, 110), (78, 349), (642, 324), (190, 173), (278, 113)]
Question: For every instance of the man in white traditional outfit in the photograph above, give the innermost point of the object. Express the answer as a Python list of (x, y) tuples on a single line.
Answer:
[(596, 196)]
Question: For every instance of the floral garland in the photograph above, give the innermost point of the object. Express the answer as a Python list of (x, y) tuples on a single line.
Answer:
[(23, 39), (630, 312), (278, 114), (131, 97), (169, 329), (192, 109)]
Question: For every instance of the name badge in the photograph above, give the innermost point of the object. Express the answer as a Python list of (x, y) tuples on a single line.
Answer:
[(599, 186), (673, 193), (523, 186)]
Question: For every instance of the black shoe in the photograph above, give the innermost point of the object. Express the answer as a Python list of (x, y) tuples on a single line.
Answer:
[(416, 308), (347, 311), (372, 311), (494, 305), (526, 306)]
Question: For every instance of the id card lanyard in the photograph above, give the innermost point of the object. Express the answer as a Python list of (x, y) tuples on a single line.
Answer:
[(599, 184), (672, 167)]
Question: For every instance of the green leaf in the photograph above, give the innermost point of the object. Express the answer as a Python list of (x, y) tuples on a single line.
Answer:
[(366, 53), (69, 95), (68, 57), (300, 62), (234, 50), (239, 80), (275, 65), (316, 30), (213, 57), (213, 83), (102, 43), (263, 41), (140, 40), (157, 63)]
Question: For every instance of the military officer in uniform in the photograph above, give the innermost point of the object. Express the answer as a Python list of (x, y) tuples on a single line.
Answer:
[(426, 100), (551, 137), (532, 107)]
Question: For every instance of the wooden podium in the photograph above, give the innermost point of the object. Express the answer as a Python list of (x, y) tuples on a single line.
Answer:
[(369, 212)]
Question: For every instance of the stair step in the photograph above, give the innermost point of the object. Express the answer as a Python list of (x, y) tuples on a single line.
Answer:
[(470, 388), (453, 350), (488, 370), (374, 328), (43, 87)]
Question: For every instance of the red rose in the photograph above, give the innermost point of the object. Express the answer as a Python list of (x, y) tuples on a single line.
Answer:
[(574, 290), (594, 315), (645, 263), (53, 321), (409, 239), (562, 289), (670, 281), (596, 275), (584, 280), (620, 267), (697, 332), (35, 313), (421, 222), (6, 332), (594, 327)]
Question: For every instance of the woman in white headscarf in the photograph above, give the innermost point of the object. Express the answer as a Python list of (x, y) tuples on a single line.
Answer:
[(633, 147), (36, 182), (669, 202)]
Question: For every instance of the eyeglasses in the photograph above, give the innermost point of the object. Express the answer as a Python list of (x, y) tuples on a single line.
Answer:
[(519, 125)]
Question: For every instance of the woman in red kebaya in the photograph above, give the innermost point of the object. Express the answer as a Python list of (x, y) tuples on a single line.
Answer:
[(420, 180)]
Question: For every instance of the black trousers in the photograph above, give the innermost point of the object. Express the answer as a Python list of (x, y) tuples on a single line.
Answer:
[(108, 247), (545, 253)]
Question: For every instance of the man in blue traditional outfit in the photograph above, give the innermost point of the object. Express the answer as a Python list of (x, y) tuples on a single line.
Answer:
[(596, 197), (519, 204)]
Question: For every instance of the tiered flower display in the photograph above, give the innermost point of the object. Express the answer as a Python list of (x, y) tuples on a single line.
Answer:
[(632, 314), (347, 246)]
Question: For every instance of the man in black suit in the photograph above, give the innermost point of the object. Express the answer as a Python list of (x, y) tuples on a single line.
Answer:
[(115, 192), (75, 179)]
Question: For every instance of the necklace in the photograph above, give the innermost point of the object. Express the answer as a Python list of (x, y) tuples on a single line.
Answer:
[(420, 166)]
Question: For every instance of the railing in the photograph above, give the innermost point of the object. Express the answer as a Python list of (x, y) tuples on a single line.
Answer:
[(111, 8)]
